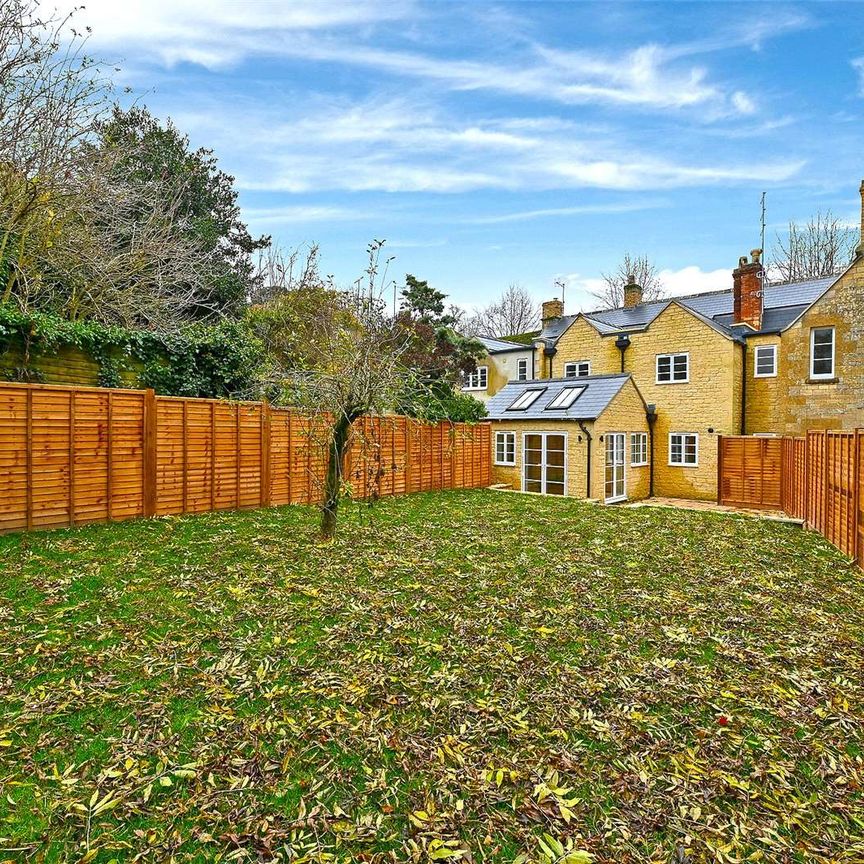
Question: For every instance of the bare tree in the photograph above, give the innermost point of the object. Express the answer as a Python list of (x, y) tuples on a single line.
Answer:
[(822, 247), (360, 371), (642, 270), (514, 312), (52, 95)]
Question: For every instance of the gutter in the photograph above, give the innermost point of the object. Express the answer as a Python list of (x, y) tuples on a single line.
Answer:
[(588, 466)]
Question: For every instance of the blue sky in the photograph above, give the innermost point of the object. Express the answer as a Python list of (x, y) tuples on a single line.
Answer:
[(492, 143)]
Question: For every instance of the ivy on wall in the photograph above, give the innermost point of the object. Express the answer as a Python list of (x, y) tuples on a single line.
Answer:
[(201, 360)]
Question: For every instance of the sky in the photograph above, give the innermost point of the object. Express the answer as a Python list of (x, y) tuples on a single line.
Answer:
[(522, 142)]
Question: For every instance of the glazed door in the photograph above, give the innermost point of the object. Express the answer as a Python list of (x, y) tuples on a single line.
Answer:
[(544, 463), (616, 489)]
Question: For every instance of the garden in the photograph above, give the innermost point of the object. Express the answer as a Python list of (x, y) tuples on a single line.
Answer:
[(465, 676)]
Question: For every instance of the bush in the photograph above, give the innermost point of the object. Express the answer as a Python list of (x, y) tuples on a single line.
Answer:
[(200, 360)]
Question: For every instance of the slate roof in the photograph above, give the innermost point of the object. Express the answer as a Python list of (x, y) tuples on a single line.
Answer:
[(599, 391), (499, 346), (782, 304)]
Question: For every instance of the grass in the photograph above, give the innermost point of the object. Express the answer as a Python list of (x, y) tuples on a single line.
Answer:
[(467, 676)]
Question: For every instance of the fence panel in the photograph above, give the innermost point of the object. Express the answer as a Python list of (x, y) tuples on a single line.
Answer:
[(750, 471), (70, 455), (821, 482)]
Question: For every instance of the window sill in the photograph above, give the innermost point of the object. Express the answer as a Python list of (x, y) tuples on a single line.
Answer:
[(664, 383), (822, 381), (638, 464), (504, 464), (682, 465)]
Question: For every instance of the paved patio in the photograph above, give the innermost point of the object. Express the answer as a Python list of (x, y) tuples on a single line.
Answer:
[(714, 507)]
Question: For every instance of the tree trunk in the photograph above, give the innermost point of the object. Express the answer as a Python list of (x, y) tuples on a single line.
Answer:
[(333, 482)]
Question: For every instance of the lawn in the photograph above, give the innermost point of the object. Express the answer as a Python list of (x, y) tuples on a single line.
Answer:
[(463, 676)]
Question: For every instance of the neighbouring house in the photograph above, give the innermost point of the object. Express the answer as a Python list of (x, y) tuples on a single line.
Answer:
[(504, 361), (587, 438), (754, 359)]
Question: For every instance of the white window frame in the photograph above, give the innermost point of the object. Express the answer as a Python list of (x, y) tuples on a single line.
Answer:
[(522, 370), (607, 438), (761, 349), (576, 364), (683, 436), (671, 358), (544, 436), (643, 448), (509, 441), (481, 373), (823, 376)]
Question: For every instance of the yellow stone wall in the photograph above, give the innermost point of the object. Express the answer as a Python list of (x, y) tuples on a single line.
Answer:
[(764, 395), (824, 405), (625, 414), (576, 452), (710, 400)]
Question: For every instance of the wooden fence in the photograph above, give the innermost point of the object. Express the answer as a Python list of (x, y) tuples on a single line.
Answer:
[(818, 478), (71, 455), (749, 472)]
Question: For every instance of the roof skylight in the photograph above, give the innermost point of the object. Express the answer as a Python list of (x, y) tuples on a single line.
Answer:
[(565, 398), (527, 399)]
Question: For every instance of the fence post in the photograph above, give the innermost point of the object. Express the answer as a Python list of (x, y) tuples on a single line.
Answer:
[(856, 494), (150, 453), (719, 469), (265, 454)]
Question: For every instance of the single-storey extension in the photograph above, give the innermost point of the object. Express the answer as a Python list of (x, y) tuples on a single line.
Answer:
[(588, 437)]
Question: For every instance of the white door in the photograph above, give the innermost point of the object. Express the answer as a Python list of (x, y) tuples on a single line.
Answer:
[(616, 489), (544, 463)]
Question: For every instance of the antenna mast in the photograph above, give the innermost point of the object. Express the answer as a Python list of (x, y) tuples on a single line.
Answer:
[(763, 223)]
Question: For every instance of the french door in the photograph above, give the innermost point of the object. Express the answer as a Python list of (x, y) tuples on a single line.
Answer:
[(616, 484), (544, 463)]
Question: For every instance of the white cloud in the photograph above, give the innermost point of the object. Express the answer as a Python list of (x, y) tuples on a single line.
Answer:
[(400, 146), (302, 213), (694, 280), (214, 35), (858, 66), (557, 212)]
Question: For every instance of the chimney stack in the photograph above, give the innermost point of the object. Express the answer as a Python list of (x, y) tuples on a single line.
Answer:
[(552, 309), (632, 293), (859, 252), (747, 291)]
